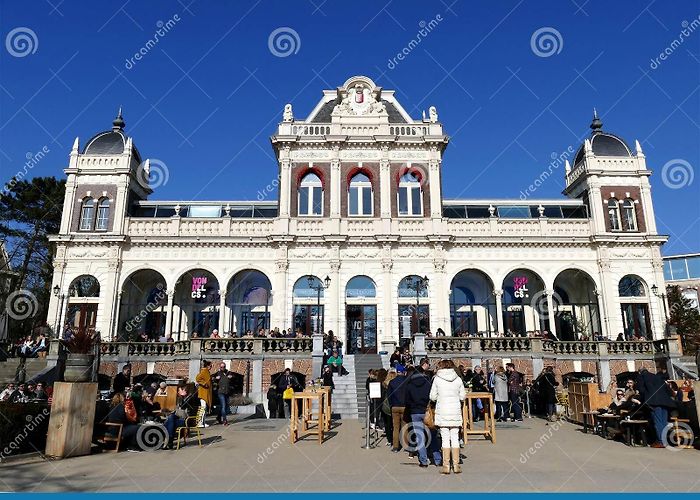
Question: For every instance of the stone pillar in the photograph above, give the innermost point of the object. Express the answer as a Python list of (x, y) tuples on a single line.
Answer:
[(335, 182), (551, 316), (169, 313), (195, 358), (537, 357), (285, 181), (419, 346), (388, 334), (385, 189), (222, 311), (317, 355), (604, 378), (499, 310), (256, 381)]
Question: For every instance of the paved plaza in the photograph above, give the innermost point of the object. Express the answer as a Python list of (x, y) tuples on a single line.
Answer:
[(256, 455)]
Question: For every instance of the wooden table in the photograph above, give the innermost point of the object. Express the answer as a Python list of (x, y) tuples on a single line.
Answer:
[(605, 419), (585, 417), (327, 412), (468, 427), (632, 428), (307, 398)]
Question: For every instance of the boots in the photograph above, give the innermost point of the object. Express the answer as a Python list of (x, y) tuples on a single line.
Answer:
[(455, 461), (445, 461)]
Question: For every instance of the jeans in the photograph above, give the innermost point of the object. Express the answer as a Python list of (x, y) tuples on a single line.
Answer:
[(421, 432), (659, 415), (514, 398), (501, 410), (172, 423), (223, 407)]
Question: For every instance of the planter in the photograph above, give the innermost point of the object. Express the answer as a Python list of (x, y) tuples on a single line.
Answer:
[(78, 367)]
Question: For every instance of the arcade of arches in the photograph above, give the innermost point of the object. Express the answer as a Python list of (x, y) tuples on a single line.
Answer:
[(521, 304)]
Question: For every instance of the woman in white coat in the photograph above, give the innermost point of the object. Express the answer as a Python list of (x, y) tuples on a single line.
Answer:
[(448, 392), (500, 394)]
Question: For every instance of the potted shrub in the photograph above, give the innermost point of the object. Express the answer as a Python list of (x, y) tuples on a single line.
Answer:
[(80, 349)]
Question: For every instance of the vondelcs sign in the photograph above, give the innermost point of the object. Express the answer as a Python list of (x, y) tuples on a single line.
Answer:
[(199, 287)]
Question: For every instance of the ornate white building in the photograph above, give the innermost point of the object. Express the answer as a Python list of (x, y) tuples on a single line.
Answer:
[(360, 210)]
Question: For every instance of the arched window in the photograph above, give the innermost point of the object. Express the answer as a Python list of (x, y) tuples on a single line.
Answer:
[(410, 195), (360, 287), (629, 215), (87, 214), (360, 196), (614, 214), (102, 214), (310, 195), (630, 286)]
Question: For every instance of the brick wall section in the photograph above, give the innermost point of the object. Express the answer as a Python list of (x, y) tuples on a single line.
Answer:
[(350, 169), (621, 194), (172, 369), (96, 191), (323, 170)]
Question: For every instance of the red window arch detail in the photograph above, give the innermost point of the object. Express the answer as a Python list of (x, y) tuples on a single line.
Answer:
[(359, 170), (413, 170), (310, 170)]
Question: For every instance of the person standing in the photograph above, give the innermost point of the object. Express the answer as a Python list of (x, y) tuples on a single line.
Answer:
[(288, 381), (204, 391), (448, 392), (328, 382), (656, 394), (515, 382), (223, 378), (122, 380), (417, 400), (500, 394), (548, 387)]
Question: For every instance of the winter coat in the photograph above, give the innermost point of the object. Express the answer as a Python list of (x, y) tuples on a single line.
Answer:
[(417, 393), (654, 390), (203, 380), (448, 392), (500, 387), (547, 384), (397, 392)]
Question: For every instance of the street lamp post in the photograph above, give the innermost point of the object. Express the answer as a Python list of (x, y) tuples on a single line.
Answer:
[(655, 291), (311, 280), (59, 311), (418, 285)]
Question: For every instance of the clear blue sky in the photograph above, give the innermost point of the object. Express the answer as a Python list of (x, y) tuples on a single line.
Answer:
[(207, 97)]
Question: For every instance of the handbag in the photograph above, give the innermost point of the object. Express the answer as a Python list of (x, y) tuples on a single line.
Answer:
[(288, 393), (429, 418), (130, 411)]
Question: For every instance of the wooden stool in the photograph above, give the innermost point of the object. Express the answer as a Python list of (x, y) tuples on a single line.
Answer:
[(111, 438), (307, 398), (489, 430), (682, 433)]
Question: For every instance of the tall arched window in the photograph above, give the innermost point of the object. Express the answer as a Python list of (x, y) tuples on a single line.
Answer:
[(629, 215), (360, 196), (102, 214), (614, 214), (87, 214), (310, 195), (410, 195)]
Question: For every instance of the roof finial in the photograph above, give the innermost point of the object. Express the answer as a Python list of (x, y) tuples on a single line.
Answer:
[(118, 123), (596, 124)]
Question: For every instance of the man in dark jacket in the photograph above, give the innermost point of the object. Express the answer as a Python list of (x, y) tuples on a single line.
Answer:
[(515, 381), (417, 400), (122, 380), (223, 379), (396, 394), (656, 394), (288, 380)]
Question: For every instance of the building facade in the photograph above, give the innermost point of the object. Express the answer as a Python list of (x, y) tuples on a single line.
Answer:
[(360, 241), (684, 271)]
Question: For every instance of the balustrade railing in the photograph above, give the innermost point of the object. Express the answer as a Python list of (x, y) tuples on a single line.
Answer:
[(514, 344), (238, 345), (571, 347), (296, 345), (641, 347), (447, 345)]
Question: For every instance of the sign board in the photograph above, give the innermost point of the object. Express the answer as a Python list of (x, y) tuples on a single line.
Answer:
[(288, 363), (375, 390)]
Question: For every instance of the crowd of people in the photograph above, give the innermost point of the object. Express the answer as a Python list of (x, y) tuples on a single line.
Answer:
[(273, 333), (30, 346), (26, 392)]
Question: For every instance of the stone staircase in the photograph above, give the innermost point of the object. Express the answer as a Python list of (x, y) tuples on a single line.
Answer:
[(8, 368), (350, 394), (686, 366)]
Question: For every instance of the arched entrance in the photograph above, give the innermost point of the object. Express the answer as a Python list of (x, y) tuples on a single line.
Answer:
[(143, 306), (83, 297), (248, 299), (307, 297), (361, 315), (576, 306), (523, 294), (472, 304), (196, 304), (634, 305)]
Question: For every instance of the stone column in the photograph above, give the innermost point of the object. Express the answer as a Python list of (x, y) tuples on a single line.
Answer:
[(222, 311), (439, 296), (317, 355), (499, 310), (256, 381), (285, 181), (419, 346), (335, 182), (169, 313), (195, 358), (333, 303), (385, 189), (551, 315), (388, 334)]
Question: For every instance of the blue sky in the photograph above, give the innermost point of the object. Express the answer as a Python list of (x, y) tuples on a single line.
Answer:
[(207, 97)]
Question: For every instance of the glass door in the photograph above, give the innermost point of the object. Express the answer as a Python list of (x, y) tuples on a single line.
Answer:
[(362, 329), (81, 317), (308, 319), (635, 319)]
